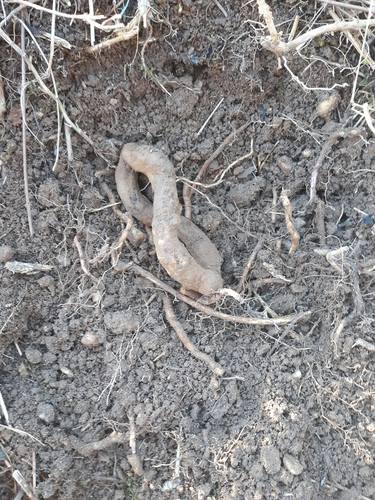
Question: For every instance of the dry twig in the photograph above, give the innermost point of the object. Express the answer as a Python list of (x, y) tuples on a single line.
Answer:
[(288, 211), (280, 320), (180, 332)]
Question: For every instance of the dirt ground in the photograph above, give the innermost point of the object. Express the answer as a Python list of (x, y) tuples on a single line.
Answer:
[(294, 414)]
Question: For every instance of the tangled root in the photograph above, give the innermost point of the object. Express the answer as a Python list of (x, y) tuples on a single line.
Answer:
[(182, 248)]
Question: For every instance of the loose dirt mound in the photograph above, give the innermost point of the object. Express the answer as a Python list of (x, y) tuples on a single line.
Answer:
[(88, 362)]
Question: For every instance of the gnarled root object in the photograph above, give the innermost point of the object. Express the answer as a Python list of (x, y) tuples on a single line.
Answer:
[(182, 248)]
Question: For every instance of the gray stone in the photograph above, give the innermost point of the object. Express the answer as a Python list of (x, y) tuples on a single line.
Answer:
[(6, 253), (119, 322), (46, 412), (270, 458), (292, 464), (33, 356)]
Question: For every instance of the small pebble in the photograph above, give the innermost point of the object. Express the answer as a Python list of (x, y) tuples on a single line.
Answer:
[(368, 220), (270, 458), (46, 412), (120, 322), (33, 356), (90, 340), (297, 374), (307, 153), (6, 253), (285, 164), (46, 281), (327, 106), (292, 464), (66, 371)]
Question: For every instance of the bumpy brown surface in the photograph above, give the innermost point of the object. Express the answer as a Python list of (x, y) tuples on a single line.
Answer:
[(177, 240), (294, 417)]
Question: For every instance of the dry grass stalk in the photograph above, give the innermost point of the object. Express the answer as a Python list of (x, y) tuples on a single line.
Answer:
[(24, 126), (3, 107), (288, 211), (244, 320), (210, 116), (21, 481), (52, 43), (87, 18), (217, 369), (92, 27), (4, 410), (47, 91), (21, 433)]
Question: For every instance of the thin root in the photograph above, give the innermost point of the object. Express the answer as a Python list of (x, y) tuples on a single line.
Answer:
[(332, 139), (82, 257), (288, 211), (180, 332), (280, 320)]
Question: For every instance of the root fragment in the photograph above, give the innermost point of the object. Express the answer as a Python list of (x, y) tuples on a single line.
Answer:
[(249, 265), (134, 235), (134, 459), (180, 332), (288, 211), (82, 257), (114, 438), (280, 48), (332, 139)]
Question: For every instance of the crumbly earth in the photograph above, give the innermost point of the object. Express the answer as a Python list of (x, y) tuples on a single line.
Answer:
[(83, 357)]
